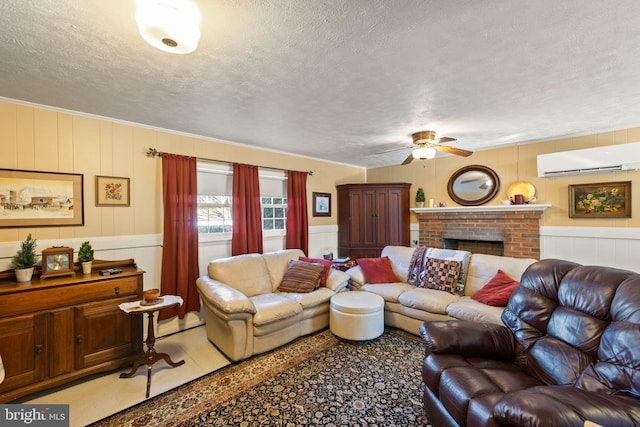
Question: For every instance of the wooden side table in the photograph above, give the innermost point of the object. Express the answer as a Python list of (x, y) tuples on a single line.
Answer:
[(151, 356)]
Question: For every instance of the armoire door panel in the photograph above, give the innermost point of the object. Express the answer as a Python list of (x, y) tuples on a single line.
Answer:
[(372, 216)]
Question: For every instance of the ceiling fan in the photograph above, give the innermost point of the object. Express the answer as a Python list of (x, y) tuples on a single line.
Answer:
[(427, 145)]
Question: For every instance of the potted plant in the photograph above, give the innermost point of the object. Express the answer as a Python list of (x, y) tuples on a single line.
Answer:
[(85, 256), (420, 198), (24, 260)]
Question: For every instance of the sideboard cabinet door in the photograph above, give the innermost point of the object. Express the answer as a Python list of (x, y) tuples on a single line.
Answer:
[(22, 342)]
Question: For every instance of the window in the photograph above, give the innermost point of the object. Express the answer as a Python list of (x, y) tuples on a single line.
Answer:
[(214, 214), (215, 189), (274, 213)]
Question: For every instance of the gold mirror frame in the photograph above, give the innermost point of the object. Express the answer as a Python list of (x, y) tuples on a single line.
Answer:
[(473, 185)]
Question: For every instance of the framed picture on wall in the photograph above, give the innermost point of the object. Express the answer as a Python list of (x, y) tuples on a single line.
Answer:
[(600, 200), (112, 191), (321, 204), (40, 199)]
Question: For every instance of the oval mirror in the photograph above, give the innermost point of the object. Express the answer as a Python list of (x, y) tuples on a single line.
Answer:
[(473, 185)]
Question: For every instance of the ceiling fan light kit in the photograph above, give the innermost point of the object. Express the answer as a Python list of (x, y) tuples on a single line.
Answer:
[(428, 145), (424, 153), (169, 25)]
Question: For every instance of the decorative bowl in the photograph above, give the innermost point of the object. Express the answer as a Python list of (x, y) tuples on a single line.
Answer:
[(150, 295)]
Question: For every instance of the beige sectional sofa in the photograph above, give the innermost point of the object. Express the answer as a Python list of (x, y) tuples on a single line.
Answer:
[(245, 314), (407, 306)]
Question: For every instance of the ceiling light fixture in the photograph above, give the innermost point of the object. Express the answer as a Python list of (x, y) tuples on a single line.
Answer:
[(424, 153), (169, 25)]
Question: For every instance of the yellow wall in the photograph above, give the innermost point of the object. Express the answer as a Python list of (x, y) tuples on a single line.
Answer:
[(41, 139), (519, 163)]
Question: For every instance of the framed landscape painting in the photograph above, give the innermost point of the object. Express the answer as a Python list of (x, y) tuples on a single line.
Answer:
[(40, 199), (600, 200), (112, 191)]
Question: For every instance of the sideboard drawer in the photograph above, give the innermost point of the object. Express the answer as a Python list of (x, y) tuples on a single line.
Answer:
[(52, 297)]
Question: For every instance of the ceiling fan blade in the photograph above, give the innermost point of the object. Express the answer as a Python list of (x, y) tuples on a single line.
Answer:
[(408, 160), (442, 140), (394, 149), (453, 150)]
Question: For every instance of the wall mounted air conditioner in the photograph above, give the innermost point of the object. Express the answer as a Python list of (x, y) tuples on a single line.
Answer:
[(590, 160)]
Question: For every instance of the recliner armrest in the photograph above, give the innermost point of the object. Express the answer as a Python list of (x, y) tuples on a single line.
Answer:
[(468, 339), (224, 297), (566, 406)]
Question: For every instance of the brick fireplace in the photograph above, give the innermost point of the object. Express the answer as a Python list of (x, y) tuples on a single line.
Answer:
[(516, 226)]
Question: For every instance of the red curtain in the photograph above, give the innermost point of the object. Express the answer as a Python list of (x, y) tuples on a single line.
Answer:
[(180, 241), (247, 217), (297, 221)]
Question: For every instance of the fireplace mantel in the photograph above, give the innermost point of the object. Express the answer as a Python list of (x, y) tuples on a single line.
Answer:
[(492, 208), (516, 226)]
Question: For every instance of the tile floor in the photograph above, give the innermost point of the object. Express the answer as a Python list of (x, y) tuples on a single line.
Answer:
[(101, 395)]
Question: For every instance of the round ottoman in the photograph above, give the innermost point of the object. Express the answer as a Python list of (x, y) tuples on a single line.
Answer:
[(357, 315)]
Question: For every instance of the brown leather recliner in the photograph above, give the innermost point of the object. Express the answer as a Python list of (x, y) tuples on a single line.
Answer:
[(570, 352)]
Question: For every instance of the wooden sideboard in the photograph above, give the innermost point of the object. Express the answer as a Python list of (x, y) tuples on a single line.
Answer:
[(57, 330)]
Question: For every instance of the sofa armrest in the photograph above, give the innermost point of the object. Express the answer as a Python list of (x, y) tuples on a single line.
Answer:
[(337, 280), (224, 297), (468, 339), (357, 276)]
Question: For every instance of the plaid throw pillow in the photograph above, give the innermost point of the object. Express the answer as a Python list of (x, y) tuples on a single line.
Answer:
[(440, 274)]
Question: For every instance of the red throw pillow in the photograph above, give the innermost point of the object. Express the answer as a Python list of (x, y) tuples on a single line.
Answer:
[(326, 264), (497, 290), (377, 270)]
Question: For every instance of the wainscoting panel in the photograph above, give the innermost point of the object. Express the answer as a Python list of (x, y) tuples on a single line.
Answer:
[(614, 247)]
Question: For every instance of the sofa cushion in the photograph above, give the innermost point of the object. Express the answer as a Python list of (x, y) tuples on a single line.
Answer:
[(497, 291), (389, 292), (469, 309), (277, 264), (429, 300), (483, 267), (320, 296), (400, 257), (377, 270), (439, 274), (247, 273), (325, 263), (301, 277), (273, 308)]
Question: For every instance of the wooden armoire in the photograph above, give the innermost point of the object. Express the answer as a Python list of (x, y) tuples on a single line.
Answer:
[(372, 216)]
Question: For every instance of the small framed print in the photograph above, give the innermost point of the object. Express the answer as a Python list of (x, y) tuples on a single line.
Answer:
[(112, 191), (600, 200), (321, 204)]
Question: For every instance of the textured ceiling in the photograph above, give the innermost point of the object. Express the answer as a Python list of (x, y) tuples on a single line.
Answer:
[(339, 80)]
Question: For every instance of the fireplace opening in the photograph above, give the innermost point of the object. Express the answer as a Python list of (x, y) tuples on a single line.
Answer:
[(475, 246)]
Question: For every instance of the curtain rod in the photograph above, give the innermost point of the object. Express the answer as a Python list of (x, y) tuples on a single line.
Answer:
[(152, 152)]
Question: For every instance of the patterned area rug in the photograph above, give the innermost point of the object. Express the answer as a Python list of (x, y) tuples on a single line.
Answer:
[(315, 380)]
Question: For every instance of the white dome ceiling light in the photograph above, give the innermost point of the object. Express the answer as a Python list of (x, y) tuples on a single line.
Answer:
[(424, 153), (169, 25)]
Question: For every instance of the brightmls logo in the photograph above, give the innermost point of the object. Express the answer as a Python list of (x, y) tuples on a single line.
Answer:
[(34, 415)]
